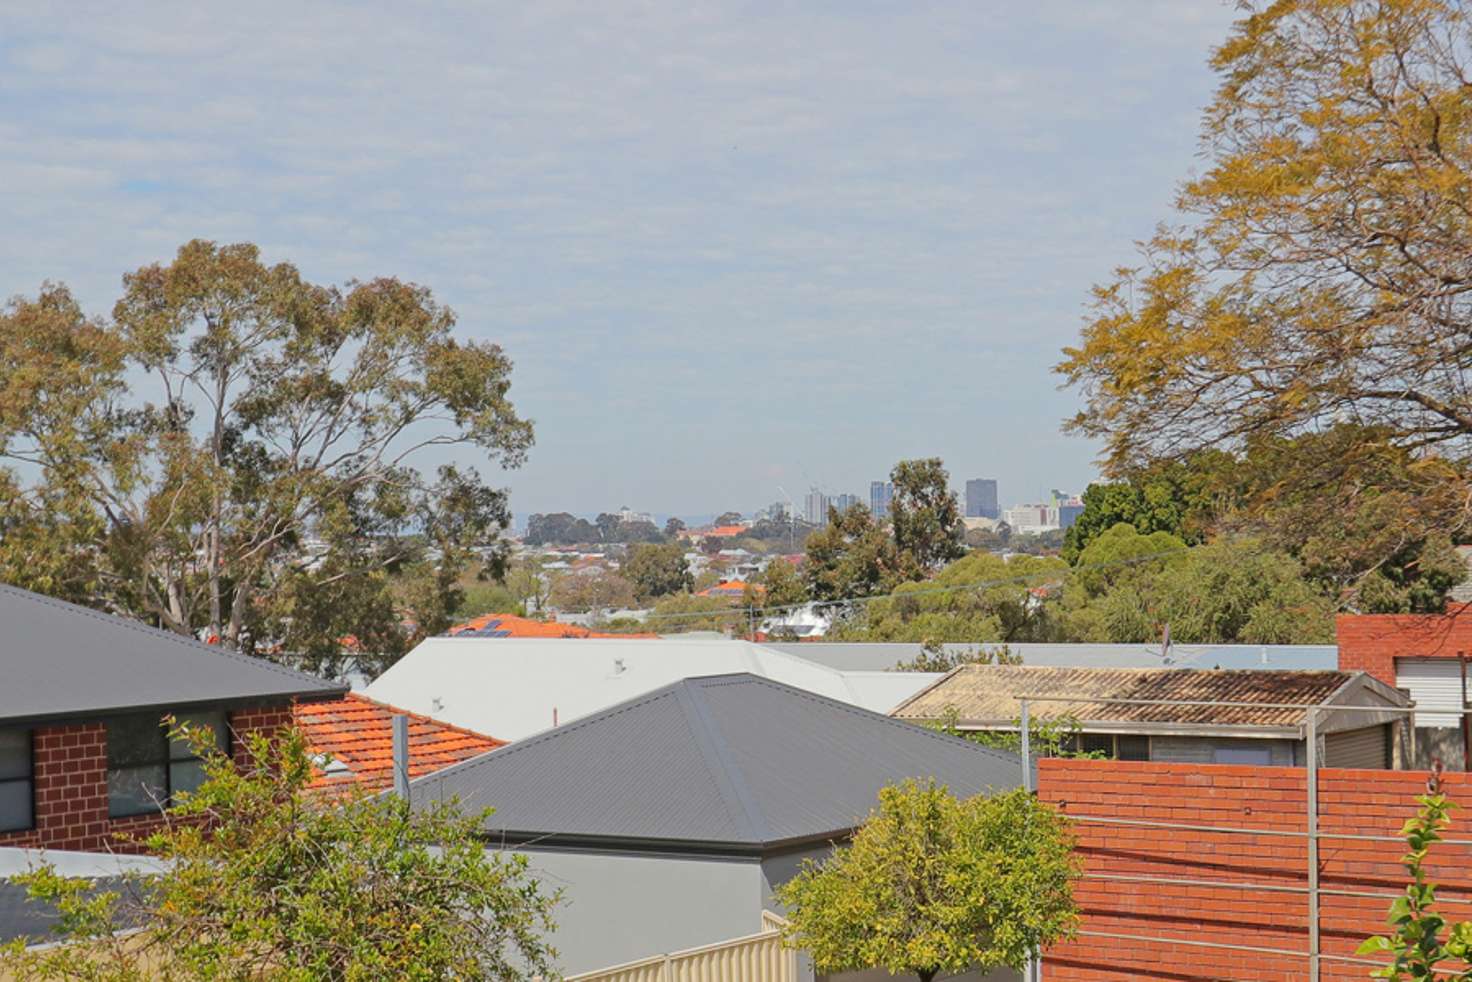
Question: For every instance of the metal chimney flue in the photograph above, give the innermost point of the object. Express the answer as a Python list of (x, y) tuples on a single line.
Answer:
[(401, 756)]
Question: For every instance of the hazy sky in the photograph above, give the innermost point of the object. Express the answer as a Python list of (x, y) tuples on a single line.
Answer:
[(729, 246)]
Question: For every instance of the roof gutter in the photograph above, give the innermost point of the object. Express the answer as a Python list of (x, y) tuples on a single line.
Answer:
[(232, 702)]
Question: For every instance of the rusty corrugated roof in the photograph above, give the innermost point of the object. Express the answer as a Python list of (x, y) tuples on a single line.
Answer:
[(990, 693)]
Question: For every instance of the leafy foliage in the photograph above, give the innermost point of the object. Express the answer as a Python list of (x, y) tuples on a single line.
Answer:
[(934, 657), (1422, 939), (657, 570), (1318, 292), (924, 514), (595, 590), (852, 556), (237, 437), (931, 884), (261, 880)]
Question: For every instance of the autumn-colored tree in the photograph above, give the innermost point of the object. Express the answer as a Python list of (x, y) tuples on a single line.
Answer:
[(934, 884), (1319, 274), (598, 591), (237, 435)]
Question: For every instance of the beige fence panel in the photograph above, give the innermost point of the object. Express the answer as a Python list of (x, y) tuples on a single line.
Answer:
[(755, 958)]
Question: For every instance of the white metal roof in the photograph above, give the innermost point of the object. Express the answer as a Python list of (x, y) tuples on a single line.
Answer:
[(510, 688)]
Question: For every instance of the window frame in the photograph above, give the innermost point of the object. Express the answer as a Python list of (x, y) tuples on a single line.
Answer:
[(164, 759), (28, 779)]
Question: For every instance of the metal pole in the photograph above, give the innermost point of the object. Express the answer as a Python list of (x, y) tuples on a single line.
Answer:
[(401, 756), (1313, 843), (1031, 971)]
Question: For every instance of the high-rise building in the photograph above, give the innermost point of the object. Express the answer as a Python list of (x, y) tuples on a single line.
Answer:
[(880, 495), (845, 501), (981, 498), (815, 508), (1069, 511)]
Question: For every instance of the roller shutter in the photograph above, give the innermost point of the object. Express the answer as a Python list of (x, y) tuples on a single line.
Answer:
[(1436, 686), (1365, 748)]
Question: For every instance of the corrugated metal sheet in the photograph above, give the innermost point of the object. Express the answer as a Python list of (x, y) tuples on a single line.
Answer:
[(1435, 684), (729, 760), (64, 660), (991, 693), (1367, 748)]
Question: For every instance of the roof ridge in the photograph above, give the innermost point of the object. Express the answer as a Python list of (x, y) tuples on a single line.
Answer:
[(118, 620), (710, 742)]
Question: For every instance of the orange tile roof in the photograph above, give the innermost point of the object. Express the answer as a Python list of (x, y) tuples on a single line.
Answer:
[(512, 626), (730, 588), (358, 732), (725, 531)]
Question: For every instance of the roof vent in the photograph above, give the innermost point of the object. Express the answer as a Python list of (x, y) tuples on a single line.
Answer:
[(619, 667), (437, 704), (332, 767)]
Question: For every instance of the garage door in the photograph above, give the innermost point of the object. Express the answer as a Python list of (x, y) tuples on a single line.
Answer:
[(1368, 747), (1436, 686)]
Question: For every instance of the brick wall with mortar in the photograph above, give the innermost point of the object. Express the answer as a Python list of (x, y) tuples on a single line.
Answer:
[(1372, 642), (1258, 798), (69, 774)]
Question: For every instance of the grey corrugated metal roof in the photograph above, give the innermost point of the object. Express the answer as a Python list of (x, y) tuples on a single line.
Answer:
[(721, 762), (878, 656), (61, 660)]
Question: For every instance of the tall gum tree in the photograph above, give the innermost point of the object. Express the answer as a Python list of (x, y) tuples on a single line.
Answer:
[(239, 431)]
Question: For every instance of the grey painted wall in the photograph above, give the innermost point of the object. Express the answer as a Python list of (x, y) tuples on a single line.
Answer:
[(619, 908)]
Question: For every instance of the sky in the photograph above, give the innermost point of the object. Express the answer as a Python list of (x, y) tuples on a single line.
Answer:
[(733, 249)]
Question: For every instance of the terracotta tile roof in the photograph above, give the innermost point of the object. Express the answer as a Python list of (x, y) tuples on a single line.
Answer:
[(358, 732), (990, 693), (730, 588), (725, 531), (512, 626)]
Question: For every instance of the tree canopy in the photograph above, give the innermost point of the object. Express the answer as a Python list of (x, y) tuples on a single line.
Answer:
[(1318, 275), (925, 515), (657, 570), (262, 879), (237, 437), (934, 884)]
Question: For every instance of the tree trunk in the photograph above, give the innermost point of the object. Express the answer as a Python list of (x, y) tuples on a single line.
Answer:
[(926, 974)]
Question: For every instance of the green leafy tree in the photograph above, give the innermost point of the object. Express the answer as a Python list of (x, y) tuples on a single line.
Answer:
[(235, 426), (560, 529), (727, 518), (1422, 941), (1169, 499), (979, 598), (658, 570), (673, 527), (262, 879), (934, 657), (782, 585), (852, 556), (933, 884), (925, 516)]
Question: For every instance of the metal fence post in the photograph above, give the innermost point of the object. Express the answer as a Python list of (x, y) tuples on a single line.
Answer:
[(1312, 762), (1024, 724), (401, 756)]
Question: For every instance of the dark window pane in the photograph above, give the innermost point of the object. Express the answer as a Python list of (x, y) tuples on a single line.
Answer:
[(15, 753), (214, 722), (136, 790), (1098, 743), (133, 741), (185, 775), (1134, 747), (15, 805)]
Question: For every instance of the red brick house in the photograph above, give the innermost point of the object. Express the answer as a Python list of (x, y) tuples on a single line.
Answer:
[(84, 753)]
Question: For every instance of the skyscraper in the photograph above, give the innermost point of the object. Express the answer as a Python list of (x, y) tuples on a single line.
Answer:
[(981, 498), (880, 493), (815, 508), (845, 501)]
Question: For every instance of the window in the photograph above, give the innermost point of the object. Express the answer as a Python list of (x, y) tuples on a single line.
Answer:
[(1260, 756), (1097, 743), (146, 768), (15, 780), (1133, 747)]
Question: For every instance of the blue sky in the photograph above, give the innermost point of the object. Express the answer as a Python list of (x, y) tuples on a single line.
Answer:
[(730, 246)]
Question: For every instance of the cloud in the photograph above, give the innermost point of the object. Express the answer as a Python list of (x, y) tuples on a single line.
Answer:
[(820, 218)]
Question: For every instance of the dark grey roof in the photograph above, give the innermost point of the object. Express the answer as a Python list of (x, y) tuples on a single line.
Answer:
[(60, 660), (724, 762), (880, 656)]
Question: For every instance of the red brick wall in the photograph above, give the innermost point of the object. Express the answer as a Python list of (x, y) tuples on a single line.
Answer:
[(1259, 798), (1372, 642), (70, 784)]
